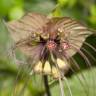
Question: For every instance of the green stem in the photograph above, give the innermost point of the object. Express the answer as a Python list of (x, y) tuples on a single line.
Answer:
[(46, 85)]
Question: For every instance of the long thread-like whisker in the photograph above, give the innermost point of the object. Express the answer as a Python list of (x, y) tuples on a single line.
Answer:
[(82, 78), (86, 59), (82, 54), (11, 54), (30, 65), (61, 87), (90, 56), (60, 81), (88, 53), (62, 75), (65, 79), (89, 45), (27, 69), (21, 75), (25, 84), (16, 80), (85, 50)]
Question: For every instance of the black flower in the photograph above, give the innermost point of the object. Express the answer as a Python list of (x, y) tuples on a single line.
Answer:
[(49, 42)]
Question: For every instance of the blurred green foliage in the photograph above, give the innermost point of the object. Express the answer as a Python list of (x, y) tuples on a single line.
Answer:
[(83, 10), (9, 7)]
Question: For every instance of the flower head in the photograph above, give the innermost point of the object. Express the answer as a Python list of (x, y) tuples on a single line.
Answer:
[(49, 42)]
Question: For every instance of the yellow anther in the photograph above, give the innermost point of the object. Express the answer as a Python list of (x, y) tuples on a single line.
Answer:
[(47, 68), (55, 72), (60, 30), (61, 63), (38, 68), (45, 36)]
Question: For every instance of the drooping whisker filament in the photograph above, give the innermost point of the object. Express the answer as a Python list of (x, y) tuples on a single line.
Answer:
[(61, 76), (88, 61), (22, 66), (88, 49), (27, 68), (20, 77), (61, 87), (86, 43), (68, 85), (82, 54), (81, 78), (88, 53)]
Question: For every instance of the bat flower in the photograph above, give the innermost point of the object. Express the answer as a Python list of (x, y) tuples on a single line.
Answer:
[(49, 42)]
